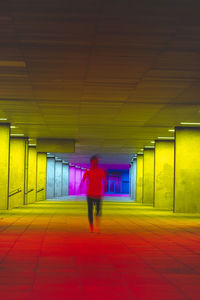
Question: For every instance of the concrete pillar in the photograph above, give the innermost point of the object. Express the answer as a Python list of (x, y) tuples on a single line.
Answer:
[(133, 179), (50, 177), (83, 187), (26, 173), (148, 177), (187, 170), (139, 179), (41, 176), (58, 177), (65, 179), (72, 178), (32, 165), (78, 180), (164, 175), (17, 172), (4, 164)]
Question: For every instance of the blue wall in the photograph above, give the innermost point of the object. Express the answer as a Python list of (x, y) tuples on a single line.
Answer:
[(124, 174)]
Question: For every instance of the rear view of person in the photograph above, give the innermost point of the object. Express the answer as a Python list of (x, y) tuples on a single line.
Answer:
[(96, 181)]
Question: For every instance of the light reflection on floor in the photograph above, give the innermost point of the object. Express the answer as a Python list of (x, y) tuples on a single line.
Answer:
[(47, 252)]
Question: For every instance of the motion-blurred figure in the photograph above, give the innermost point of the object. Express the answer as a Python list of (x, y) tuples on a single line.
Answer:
[(96, 182)]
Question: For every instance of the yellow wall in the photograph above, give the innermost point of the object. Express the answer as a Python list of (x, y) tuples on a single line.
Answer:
[(4, 164), (32, 164), (187, 170), (41, 175), (164, 175), (148, 177), (139, 182), (17, 171)]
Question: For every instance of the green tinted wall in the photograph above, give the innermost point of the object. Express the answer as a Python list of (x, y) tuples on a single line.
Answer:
[(32, 164), (164, 175), (148, 177), (187, 170), (4, 164), (17, 172), (41, 176), (139, 180)]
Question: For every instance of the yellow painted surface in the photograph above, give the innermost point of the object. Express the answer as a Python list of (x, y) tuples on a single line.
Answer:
[(55, 145), (4, 164), (41, 176), (148, 179), (164, 175), (32, 164), (17, 172), (187, 170), (26, 173), (139, 181)]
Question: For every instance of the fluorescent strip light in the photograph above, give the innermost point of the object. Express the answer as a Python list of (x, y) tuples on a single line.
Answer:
[(17, 134), (13, 126), (140, 153), (153, 142), (171, 130), (3, 119), (166, 137), (189, 123), (32, 144), (149, 147)]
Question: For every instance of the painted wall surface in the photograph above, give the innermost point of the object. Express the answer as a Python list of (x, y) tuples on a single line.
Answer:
[(164, 175), (65, 179), (58, 178), (50, 177), (17, 172), (139, 179), (41, 176), (133, 179), (120, 185), (32, 165), (4, 163), (72, 178), (187, 170), (26, 173), (148, 177), (78, 180)]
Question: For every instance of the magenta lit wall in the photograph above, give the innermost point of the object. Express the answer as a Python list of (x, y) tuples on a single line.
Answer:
[(77, 181), (72, 180)]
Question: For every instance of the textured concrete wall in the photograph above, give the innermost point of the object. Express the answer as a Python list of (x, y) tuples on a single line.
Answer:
[(4, 164), (148, 179), (41, 176), (164, 175), (58, 178), (17, 171), (65, 179), (32, 165), (187, 170), (50, 177), (139, 179)]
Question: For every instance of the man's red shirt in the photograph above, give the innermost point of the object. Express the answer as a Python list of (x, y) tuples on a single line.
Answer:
[(96, 180)]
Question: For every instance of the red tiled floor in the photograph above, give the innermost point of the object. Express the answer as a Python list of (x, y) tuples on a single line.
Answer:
[(47, 252)]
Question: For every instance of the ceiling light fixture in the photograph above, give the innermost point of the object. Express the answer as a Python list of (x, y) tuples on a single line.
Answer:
[(149, 147), (153, 142), (166, 137), (3, 119), (32, 144), (17, 134), (171, 130), (189, 123)]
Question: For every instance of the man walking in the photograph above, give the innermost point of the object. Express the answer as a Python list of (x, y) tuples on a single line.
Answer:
[(96, 181)]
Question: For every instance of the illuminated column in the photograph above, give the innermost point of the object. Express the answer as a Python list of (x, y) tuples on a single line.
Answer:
[(65, 179), (17, 172), (41, 176), (139, 179), (187, 170), (50, 177), (83, 187), (58, 177), (72, 178), (148, 179), (26, 173), (164, 175), (132, 177), (32, 164), (4, 164), (78, 180)]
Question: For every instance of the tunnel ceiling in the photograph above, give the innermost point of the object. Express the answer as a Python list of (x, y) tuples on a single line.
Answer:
[(113, 75)]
